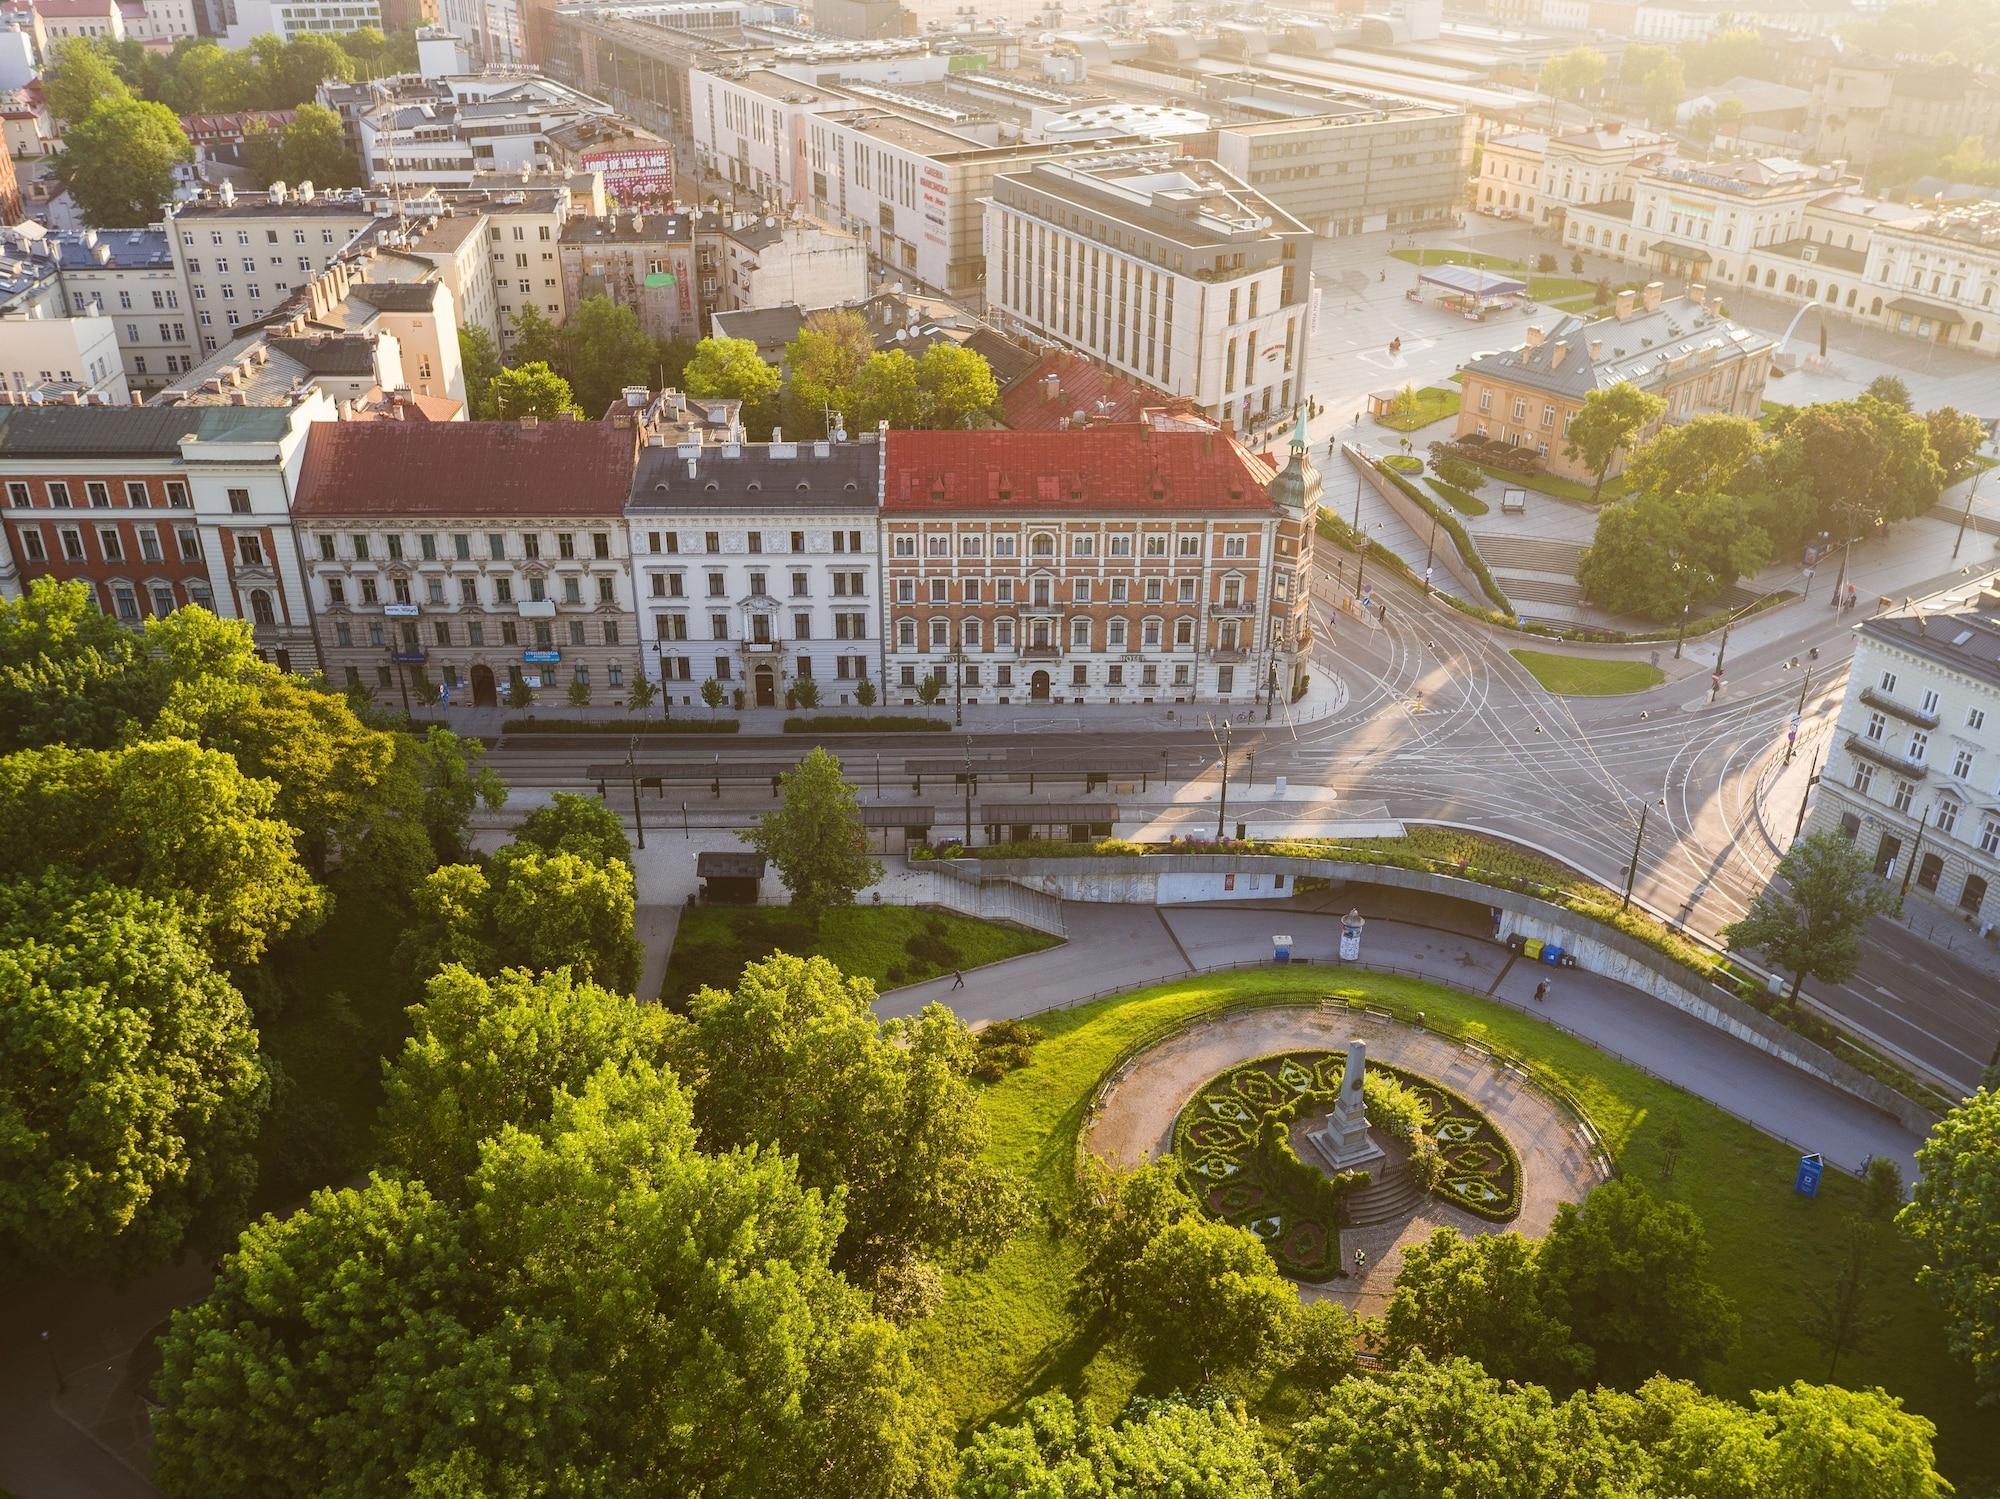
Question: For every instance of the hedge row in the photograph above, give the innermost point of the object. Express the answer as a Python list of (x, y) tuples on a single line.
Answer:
[(1455, 528), (628, 726), (867, 723)]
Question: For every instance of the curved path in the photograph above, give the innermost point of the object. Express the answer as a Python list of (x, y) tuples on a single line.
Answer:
[(1135, 1120), (1113, 948)]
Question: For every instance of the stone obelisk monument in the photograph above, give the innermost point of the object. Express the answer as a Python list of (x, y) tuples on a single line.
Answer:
[(1344, 1136)]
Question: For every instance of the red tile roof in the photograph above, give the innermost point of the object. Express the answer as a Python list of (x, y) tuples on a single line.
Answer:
[(1082, 386), (466, 468), (1112, 469)]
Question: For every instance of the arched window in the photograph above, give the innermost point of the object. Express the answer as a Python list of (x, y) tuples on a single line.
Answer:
[(260, 607), (1875, 308)]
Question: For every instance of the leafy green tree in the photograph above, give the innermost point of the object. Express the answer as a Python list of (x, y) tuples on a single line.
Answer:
[(1811, 917), (366, 45), (954, 384), (1205, 1301), (713, 694), (450, 923), (1708, 455), (582, 825), (168, 818), (315, 149), (1628, 1273), (1322, 1345), (822, 363), (1450, 1431), (453, 780), (1608, 421), (1572, 74), (598, 1308), (670, 359), (1449, 468), (263, 152), (1173, 1449), (559, 910), (1636, 562), (1829, 1443), (1841, 1316), (641, 691), (1955, 436), (78, 78), (68, 671), (885, 390), (1954, 1214), (1640, 61), (604, 350), (1482, 1298), (529, 390), (300, 67), (118, 161), (484, 1054), (1845, 466), (579, 693), (815, 837), (1891, 390), (1665, 87), (536, 339), (1735, 52), (732, 369), (1115, 1217), (130, 1086), (794, 1058)]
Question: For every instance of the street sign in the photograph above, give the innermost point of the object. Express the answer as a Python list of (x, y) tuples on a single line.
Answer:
[(1806, 1183), (541, 655)]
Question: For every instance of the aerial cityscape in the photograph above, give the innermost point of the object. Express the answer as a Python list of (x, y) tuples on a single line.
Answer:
[(874, 749)]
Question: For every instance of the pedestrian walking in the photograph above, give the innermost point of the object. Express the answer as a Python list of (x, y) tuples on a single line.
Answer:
[(1542, 992), (957, 980)]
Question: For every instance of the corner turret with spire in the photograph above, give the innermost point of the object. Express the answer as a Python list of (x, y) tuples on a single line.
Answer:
[(1296, 486)]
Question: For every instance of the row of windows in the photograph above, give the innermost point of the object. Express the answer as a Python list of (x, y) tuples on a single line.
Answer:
[(1230, 592), (1080, 676), (408, 636), (459, 546), (845, 668), (368, 590), (1945, 809), (140, 494), (144, 545), (215, 237), (751, 543), (1042, 634), (1153, 544), (847, 625), (672, 585)]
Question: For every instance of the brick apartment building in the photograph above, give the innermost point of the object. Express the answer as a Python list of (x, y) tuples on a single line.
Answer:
[(156, 508), (1127, 563), (472, 555)]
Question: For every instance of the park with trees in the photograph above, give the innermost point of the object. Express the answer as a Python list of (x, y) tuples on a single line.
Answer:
[(483, 1221)]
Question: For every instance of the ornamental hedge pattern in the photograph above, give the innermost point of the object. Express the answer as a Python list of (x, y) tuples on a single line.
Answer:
[(1247, 1174)]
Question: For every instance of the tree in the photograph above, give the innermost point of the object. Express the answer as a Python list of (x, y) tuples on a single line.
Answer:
[(1116, 1215), (561, 911), (453, 779), (1205, 1300), (1449, 1431), (822, 364), (315, 148), (79, 77), (167, 818), (1450, 468), (1737, 52), (580, 825), (529, 390), (1707, 456), (130, 1085), (794, 1058), (67, 670), (1954, 1214), (1162, 1448), (484, 1054), (930, 689), (536, 339), (732, 369), (815, 837), (118, 161), (300, 67), (1627, 1272), (1608, 421), (1829, 1443), (713, 694), (1481, 1298), (579, 693), (1323, 1345), (1955, 436), (885, 390), (1665, 87), (1636, 562), (1890, 390), (1572, 74), (263, 152), (480, 358), (457, 1337), (641, 690), (604, 349), (805, 692), (1840, 1316), (1811, 917), (1639, 63), (955, 384)]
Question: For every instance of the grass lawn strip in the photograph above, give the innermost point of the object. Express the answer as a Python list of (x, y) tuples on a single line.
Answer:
[(1588, 676), (1557, 488), (1005, 1332), (715, 942), (1463, 501), (1433, 404)]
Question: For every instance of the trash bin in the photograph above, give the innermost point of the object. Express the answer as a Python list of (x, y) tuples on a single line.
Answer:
[(1514, 941), (1552, 955), (1532, 948)]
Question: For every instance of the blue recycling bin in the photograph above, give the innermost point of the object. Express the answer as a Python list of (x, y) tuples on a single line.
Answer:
[(1552, 955), (1806, 1183)]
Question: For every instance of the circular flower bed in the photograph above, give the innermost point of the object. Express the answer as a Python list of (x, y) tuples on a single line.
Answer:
[(1249, 1176), (1404, 463)]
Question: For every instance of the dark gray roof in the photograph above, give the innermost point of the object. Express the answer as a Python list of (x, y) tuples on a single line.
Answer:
[(1009, 361), (1964, 637), (1834, 257), (717, 863), (769, 328), (756, 235), (396, 296), (846, 477), (131, 249), (155, 431), (1636, 349), (334, 354), (630, 228)]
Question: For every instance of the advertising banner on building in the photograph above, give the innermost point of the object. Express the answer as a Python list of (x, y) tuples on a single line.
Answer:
[(636, 177)]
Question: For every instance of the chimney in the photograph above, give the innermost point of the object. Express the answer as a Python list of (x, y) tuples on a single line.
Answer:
[(1535, 335), (1051, 388), (1557, 355), (238, 398), (1654, 291), (1698, 294), (1596, 350), (138, 398), (1623, 309)]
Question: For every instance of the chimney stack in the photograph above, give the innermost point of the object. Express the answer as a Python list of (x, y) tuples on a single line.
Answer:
[(1698, 294), (1654, 291), (1535, 335), (1623, 309)]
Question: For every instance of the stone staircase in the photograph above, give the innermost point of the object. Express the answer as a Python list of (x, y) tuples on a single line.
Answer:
[(1389, 1197)]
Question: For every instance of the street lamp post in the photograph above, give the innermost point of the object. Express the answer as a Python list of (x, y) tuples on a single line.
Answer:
[(1722, 650), (1805, 796), (1632, 869), (1430, 551), (632, 774), (1222, 806), (1798, 718), (1915, 850), (958, 674), (1966, 519), (968, 791)]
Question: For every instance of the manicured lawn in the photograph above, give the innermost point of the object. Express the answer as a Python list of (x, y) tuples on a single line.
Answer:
[(715, 942), (1404, 463), (1459, 257), (1549, 288), (1005, 1332), (1460, 500), (1588, 676), (1432, 405), (1560, 488), (345, 1008)]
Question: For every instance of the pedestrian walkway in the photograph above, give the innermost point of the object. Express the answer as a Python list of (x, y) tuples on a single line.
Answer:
[(1117, 947)]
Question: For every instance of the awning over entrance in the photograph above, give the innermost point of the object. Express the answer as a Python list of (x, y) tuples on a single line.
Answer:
[(1471, 281), (1926, 309), (1679, 251)]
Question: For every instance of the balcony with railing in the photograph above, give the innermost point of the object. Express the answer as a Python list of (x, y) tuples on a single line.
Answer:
[(1875, 697), (1881, 754)]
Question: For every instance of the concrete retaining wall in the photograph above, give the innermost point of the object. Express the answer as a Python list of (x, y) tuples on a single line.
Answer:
[(1142, 879), (1418, 520)]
